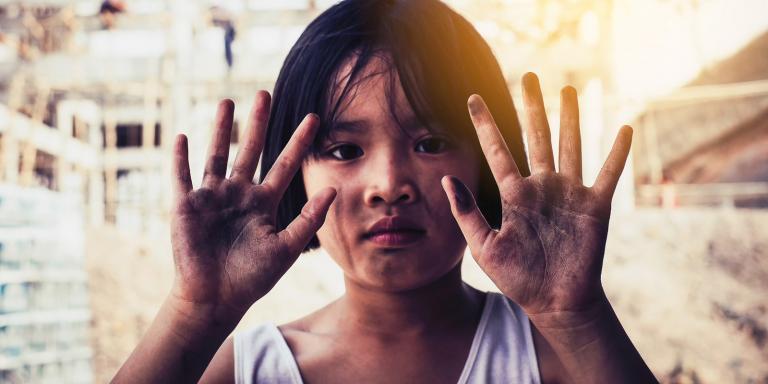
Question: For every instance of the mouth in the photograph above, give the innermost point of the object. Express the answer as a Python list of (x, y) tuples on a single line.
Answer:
[(394, 231), (396, 237)]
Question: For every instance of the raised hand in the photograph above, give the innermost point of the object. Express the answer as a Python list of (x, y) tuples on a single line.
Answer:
[(227, 251), (547, 255)]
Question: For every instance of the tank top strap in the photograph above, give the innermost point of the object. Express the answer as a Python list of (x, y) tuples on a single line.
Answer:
[(263, 356), (503, 349)]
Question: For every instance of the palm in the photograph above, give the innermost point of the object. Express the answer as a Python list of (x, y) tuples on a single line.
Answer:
[(547, 255), (561, 237), (227, 249), (227, 241)]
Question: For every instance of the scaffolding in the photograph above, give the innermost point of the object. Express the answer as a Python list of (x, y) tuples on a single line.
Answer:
[(85, 140), (44, 312)]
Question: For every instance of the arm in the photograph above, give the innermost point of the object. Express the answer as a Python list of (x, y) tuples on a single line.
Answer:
[(547, 255), (592, 346), (227, 252), (178, 345)]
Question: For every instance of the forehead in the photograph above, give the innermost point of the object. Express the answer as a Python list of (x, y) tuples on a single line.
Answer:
[(374, 93)]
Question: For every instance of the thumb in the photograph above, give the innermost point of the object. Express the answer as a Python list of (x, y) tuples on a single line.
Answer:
[(301, 229), (471, 221)]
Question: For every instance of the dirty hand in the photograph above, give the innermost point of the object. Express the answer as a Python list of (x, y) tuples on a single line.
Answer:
[(226, 248), (547, 255)]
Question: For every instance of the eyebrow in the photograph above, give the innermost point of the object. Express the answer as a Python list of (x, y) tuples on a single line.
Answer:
[(361, 126), (352, 126)]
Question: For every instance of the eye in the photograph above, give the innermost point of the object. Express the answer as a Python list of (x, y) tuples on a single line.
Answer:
[(346, 152), (431, 145)]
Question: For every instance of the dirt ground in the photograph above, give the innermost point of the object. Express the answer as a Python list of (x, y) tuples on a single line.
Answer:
[(688, 285)]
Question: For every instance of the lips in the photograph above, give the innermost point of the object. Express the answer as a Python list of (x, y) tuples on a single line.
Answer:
[(395, 231)]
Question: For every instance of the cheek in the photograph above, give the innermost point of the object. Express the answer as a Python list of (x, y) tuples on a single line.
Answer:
[(314, 178), (330, 234), (465, 168), (317, 176), (434, 196), (333, 238)]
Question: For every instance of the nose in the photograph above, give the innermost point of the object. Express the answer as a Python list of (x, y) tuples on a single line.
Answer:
[(390, 182)]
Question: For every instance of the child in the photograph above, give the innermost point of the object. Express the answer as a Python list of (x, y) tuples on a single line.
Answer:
[(401, 180)]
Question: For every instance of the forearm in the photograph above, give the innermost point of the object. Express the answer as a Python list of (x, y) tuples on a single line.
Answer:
[(593, 346), (178, 345)]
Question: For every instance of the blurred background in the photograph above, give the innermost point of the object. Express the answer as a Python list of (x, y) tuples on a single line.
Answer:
[(92, 94)]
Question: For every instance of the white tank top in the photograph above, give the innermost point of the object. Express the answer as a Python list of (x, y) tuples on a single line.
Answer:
[(502, 350)]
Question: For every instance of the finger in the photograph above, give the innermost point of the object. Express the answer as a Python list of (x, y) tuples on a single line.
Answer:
[(298, 233), (539, 141), (569, 156), (247, 158), (182, 178), (290, 158), (614, 165), (471, 221), (494, 147), (218, 151)]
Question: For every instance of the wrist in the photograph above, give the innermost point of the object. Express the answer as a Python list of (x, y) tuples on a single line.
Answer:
[(190, 319), (202, 305), (592, 344), (573, 331), (571, 313), (573, 318)]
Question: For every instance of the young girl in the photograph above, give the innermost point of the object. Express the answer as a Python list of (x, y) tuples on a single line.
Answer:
[(369, 120)]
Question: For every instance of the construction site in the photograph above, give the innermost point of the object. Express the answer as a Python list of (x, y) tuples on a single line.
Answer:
[(92, 94)]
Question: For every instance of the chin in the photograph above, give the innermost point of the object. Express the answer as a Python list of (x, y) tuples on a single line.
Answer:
[(393, 278)]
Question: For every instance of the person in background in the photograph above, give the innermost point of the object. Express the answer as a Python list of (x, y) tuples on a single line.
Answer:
[(221, 17), (108, 11)]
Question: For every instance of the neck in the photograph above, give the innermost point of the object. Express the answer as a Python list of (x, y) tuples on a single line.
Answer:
[(444, 304)]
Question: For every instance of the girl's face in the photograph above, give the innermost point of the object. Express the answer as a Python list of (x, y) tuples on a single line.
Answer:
[(390, 226)]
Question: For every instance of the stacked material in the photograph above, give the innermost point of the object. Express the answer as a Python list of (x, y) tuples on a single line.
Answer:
[(44, 309)]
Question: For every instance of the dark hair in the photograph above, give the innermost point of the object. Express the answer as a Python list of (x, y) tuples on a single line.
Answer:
[(440, 60)]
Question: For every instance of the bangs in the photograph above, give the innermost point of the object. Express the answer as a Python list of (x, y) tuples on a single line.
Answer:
[(361, 67)]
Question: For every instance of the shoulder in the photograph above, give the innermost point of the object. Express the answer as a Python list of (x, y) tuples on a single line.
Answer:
[(268, 353), (311, 339)]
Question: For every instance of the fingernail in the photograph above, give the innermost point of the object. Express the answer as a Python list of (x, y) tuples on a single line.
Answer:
[(530, 79), (475, 104), (227, 103), (531, 84), (308, 121), (568, 91), (461, 194)]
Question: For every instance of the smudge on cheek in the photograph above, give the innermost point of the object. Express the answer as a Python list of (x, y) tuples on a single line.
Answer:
[(337, 233), (435, 201), (339, 230)]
